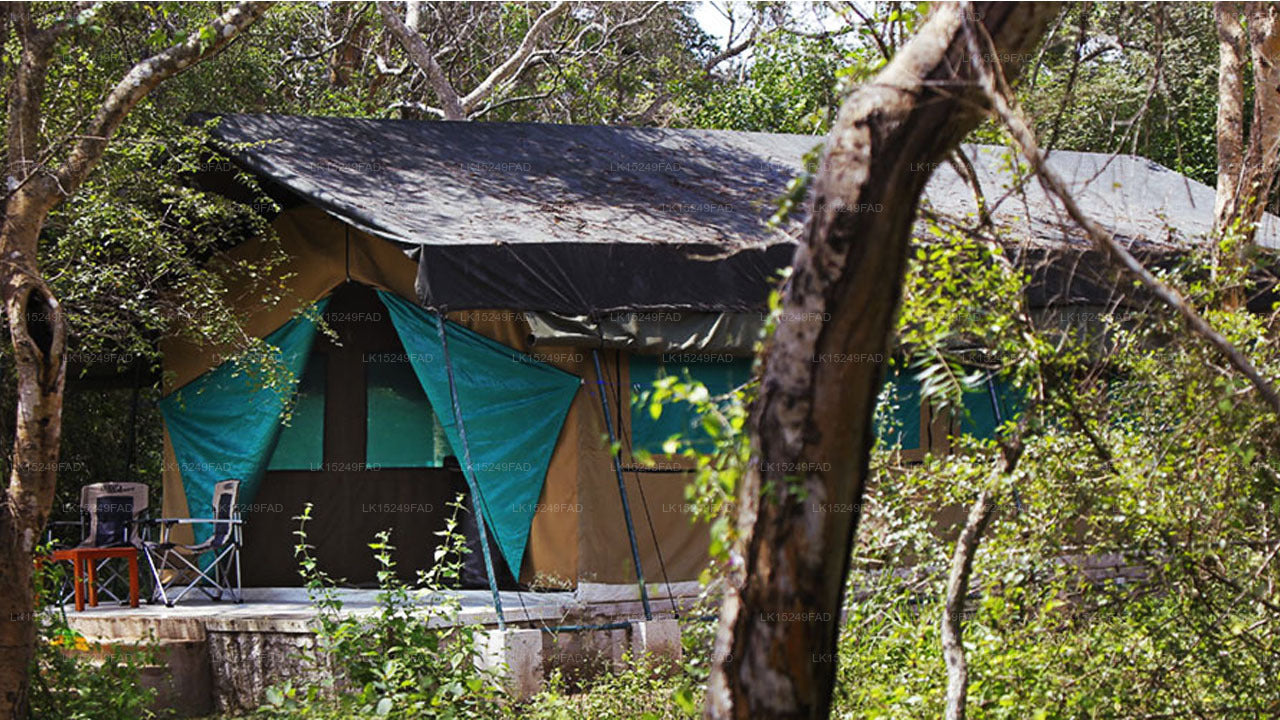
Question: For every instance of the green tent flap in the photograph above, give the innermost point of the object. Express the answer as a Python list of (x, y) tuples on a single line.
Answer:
[(513, 408), (224, 424)]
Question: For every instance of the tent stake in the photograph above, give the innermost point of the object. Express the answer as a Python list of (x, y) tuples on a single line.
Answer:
[(622, 488), (477, 501)]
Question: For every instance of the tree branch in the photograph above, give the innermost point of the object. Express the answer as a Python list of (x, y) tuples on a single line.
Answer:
[(1230, 123), (514, 65), (957, 592), (952, 628), (731, 50), (416, 48), (142, 79)]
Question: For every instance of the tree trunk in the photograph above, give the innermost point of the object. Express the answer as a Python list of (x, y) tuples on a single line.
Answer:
[(812, 425), (952, 627), (39, 337), (1230, 121), (38, 334), (36, 324), (1246, 171)]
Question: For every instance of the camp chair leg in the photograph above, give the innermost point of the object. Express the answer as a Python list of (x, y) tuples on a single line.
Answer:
[(133, 581), (239, 588), (208, 577), (158, 589)]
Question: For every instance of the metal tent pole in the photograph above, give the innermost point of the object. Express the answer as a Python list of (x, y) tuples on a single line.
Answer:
[(622, 488), (472, 483), (999, 416)]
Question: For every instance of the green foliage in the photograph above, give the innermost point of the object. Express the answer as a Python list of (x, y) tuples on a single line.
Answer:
[(1129, 569), (639, 692), (74, 679), (1145, 82), (410, 658), (965, 317), (790, 86)]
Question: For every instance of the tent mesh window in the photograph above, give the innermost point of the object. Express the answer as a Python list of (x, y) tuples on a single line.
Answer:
[(720, 374), (979, 417), (403, 430), (897, 423), (301, 443)]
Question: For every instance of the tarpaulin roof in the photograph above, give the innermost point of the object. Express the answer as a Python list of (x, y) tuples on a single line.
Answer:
[(544, 217), (593, 219)]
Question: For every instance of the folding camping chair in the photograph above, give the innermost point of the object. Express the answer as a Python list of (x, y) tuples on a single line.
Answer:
[(114, 512), (183, 561)]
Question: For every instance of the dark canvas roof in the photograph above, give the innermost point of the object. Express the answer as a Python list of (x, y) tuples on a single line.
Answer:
[(545, 217), (591, 219)]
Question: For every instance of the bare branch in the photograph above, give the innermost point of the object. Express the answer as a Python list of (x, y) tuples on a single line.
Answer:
[(645, 117), (418, 107), (732, 50), (964, 168), (413, 15), (958, 579), (510, 101), (885, 51), (957, 592)]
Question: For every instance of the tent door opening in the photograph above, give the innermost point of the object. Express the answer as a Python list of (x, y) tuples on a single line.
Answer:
[(364, 447)]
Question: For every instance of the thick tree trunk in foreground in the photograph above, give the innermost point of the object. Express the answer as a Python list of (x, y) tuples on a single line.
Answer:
[(812, 435), (36, 323), (39, 339)]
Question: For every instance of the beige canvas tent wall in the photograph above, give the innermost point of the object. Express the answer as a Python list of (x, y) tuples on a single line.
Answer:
[(573, 220), (578, 532)]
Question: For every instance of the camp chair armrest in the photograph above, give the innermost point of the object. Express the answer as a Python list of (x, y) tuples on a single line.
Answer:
[(166, 524)]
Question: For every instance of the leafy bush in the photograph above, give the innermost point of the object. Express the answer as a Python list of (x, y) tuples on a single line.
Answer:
[(408, 659), (639, 692), (74, 679)]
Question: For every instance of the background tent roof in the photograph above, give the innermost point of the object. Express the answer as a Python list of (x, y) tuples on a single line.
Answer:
[(592, 219), (1137, 199)]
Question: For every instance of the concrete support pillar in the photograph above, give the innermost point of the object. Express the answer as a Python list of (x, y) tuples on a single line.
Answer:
[(515, 656), (656, 641)]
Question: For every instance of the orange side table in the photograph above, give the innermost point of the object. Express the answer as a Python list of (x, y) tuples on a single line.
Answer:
[(84, 562)]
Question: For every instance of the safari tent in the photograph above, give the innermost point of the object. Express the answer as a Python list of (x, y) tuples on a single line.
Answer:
[(531, 280), (566, 276)]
